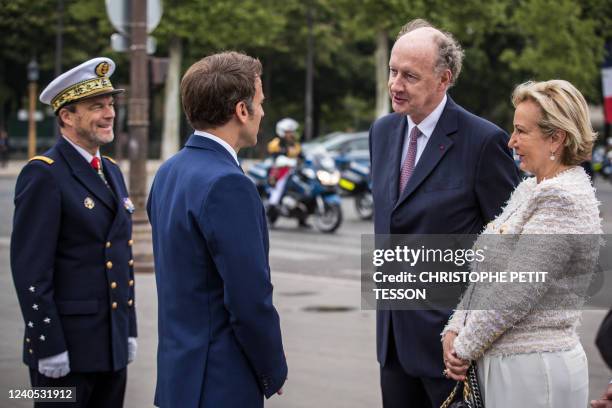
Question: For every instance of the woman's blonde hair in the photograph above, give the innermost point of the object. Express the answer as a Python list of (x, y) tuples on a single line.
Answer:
[(563, 108)]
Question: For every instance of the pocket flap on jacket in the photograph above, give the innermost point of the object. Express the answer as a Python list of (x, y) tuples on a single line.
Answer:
[(439, 185), (77, 307)]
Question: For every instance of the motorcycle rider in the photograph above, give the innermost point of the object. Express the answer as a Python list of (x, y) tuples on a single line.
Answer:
[(284, 145)]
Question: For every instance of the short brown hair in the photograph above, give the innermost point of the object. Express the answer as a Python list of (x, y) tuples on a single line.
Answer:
[(71, 107), (563, 108), (450, 53), (211, 88)]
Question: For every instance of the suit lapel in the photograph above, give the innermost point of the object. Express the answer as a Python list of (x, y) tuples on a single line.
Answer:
[(87, 176), (396, 143), (438, 145), (115, 184)]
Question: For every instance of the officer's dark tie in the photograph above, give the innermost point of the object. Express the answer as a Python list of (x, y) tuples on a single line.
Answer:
[(97, 166)]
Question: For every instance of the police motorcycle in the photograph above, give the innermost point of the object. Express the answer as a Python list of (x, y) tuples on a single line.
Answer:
[(259, 174), (355, 182), (602, 160), (311, 189)]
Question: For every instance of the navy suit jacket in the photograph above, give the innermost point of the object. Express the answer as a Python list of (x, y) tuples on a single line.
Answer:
[(461, 181), (71, 258), (219, 333)]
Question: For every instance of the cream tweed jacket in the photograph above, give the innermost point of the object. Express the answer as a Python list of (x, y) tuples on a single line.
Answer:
[(534, 317)]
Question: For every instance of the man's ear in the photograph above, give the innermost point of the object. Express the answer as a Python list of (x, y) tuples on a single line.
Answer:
[(445, 78), (242, 112)]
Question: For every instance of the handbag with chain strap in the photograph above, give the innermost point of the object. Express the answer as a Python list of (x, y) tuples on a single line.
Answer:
[(472, 398), (471, 392)]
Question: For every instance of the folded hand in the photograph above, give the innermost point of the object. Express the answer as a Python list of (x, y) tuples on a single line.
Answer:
[(456, 368)]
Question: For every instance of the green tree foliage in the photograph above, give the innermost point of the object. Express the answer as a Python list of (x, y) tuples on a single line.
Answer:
[(28, 31), (557, 41), (506, 42)]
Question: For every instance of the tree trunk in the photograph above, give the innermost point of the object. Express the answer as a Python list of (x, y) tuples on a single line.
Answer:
[(172, 119), (382, 73)]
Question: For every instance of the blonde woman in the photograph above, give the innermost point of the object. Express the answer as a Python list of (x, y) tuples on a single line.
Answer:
[(528, 356)]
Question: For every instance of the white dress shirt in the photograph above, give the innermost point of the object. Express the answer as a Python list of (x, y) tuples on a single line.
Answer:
[(426, 127), (220, 141), (86, 155)]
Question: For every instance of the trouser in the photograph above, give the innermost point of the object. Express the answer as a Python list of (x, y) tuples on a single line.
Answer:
[(277, 193), (402, 390), (547, 379), (93, 390)]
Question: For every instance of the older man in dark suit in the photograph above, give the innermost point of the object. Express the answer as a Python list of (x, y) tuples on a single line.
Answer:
[(71, 248), (436, 169)]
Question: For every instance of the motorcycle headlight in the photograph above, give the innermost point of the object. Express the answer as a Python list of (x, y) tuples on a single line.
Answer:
[(310, 173), (328, 178)]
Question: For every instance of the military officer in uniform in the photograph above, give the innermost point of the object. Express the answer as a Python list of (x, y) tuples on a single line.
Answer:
[(71, 248)]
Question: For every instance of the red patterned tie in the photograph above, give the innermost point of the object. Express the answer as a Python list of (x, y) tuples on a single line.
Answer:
[(408, 165), (95, 163)]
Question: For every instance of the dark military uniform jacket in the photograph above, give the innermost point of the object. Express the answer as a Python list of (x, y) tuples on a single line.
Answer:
[(71, 258)]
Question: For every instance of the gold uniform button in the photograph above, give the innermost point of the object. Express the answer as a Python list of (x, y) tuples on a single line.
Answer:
[(31, 351), (131, 262), (27, 340), (113, 285), (131, 282), (114, 305), (108, 244), (130, 242), (109, 265), (130, 302)]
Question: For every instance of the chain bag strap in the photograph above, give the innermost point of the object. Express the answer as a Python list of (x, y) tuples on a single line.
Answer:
[(472, 397)]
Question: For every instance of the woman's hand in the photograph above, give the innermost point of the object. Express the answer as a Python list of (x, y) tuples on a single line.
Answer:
[(456, 368)]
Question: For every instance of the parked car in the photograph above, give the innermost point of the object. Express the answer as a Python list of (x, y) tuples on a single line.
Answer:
[(343, 147)]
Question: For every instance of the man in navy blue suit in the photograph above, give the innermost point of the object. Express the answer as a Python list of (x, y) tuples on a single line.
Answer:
[(219, 333), (71, 248), (436, 169)]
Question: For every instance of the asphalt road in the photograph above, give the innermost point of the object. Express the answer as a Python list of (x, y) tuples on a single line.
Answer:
[(329, 341)]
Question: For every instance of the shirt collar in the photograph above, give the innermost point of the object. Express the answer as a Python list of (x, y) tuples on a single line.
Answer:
[(220, 141), (86, 155), (428, 124)]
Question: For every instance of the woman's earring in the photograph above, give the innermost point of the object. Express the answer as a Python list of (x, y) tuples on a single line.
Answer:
[(552, 156)]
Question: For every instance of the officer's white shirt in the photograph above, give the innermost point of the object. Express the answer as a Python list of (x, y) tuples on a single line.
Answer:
[(86, 155), (220, 141), (426, 127)]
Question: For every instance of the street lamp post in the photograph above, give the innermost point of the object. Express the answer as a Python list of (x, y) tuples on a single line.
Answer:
[(32, 78), (138, 124), (138, 109)]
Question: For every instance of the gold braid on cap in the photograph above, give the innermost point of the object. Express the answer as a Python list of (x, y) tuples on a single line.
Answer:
[(81, 90)]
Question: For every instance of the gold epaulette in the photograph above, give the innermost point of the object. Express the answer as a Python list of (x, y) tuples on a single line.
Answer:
[(42, 158), (110, 159)]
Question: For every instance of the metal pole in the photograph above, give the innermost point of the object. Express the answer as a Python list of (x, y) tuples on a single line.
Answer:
[(138, 128), (32, 120), (59, 48), (308, 122), (138, 115), (59, 37), (121, 134)]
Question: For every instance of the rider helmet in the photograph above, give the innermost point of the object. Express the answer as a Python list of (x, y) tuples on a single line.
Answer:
[(286, 125)]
